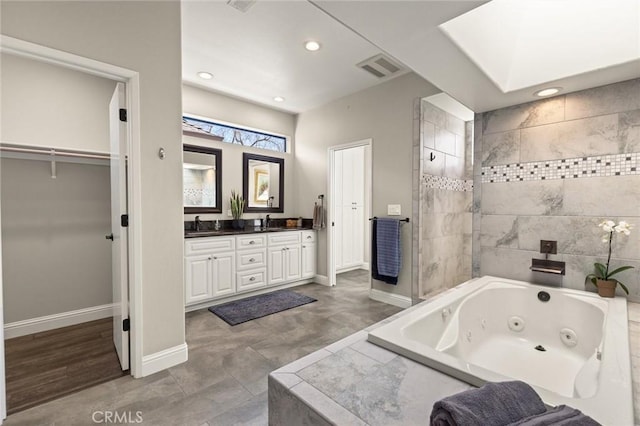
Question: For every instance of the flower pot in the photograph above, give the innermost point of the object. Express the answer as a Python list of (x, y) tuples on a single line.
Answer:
[(237, 223), (606, 288)]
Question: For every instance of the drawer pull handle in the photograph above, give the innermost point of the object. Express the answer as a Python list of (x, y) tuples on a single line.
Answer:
[(252, 260), (252, 279), (252, 242)]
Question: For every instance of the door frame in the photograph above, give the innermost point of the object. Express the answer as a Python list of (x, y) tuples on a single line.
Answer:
[(131, 79), (331, 273)]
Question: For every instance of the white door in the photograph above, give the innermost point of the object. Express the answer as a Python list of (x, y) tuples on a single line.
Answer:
[(293, 263), (198, 278), (308, 260), (276, 265), (120, 276)]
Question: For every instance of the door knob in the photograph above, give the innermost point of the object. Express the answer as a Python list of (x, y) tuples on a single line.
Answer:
[(109, 237)]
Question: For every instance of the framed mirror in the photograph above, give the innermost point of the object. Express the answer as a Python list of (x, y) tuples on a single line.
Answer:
[(263, 183), (202, 179)]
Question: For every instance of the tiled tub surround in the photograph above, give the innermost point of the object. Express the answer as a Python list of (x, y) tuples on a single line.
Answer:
[(353, 382), (578, 132), (445, 193)]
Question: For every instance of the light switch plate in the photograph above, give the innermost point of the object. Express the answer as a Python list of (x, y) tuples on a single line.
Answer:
[(394, 209)]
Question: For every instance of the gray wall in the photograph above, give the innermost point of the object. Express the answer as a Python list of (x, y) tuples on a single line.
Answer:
[(143, 37), (384, 113), (445, 200), (216, 106), (55, 256), (52, 106), (574, 136)]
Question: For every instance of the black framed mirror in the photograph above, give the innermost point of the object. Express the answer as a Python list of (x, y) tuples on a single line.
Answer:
[(263, 183), (202, 179)]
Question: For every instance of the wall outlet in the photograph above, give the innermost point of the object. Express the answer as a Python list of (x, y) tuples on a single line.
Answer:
[(394, 209), (229, 213)]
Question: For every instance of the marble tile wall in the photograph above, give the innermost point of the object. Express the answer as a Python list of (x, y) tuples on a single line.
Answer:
[(579, 132), (445, 206)]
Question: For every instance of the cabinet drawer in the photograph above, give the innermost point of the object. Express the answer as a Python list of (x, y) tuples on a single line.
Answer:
[(209, 245), (250, 280), (252, 259), (308, 236), (283, 238), (251, 241)]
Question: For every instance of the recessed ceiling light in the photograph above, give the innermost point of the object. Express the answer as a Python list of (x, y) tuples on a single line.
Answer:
[(548, 92), (205, 75), (278, 99), (312, 45)]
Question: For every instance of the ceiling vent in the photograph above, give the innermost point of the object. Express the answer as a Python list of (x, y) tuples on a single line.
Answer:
[(382, 67), (241, 5)]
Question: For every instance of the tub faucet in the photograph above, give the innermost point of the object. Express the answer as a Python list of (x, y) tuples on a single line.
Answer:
[(197, 221)]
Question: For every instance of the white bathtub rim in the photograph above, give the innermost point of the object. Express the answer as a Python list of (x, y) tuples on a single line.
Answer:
[(608, 404)]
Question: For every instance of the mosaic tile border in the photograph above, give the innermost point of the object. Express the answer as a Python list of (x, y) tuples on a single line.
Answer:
[(570, 168), (451, 184)]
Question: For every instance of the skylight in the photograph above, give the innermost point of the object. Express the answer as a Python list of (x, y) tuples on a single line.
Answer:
[(524, 43)]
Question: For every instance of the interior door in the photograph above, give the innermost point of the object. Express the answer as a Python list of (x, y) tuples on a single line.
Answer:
[(120, 276)]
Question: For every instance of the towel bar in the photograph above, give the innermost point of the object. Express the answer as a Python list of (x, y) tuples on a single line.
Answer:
[(406, 219)]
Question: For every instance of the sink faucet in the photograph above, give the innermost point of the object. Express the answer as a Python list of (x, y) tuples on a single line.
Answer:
[(267, 222), (197, 221)]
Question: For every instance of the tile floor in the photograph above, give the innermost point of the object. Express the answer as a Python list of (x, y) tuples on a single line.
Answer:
[(225, 380)]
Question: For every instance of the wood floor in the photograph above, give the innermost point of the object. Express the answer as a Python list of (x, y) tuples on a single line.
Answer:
[(44, 366)]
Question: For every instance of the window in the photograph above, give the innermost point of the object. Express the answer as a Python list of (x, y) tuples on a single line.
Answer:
[(233, 134)]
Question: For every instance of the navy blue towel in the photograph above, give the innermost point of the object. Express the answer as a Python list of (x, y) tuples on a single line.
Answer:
[(493, 404), (386, 252)]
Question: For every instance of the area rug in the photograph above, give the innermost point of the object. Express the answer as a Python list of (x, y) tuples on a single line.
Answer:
[(239, 311)]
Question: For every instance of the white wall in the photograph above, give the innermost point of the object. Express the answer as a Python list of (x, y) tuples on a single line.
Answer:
[(48, 105), (216, 106), (144, 37), (384, 113)]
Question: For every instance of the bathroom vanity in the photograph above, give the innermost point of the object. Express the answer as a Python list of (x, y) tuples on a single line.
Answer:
[(230, 264)]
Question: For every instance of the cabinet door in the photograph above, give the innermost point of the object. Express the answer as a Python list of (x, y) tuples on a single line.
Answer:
[(347, 236), (293, 264), (224, 274), (276, 265), (358, 224), (197, 278), (308, 260)]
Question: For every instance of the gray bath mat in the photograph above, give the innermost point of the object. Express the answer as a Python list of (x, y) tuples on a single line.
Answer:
[(248, 309)]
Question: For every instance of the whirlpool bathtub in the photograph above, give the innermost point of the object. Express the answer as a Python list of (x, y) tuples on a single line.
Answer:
[(571, 346)]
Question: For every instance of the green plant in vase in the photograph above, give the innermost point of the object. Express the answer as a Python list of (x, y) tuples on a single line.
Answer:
[(237, 203), (602, 278)]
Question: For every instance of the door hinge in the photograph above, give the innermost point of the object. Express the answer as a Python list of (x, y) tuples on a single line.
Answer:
[(126, 324), (123, 115), (124, 220)]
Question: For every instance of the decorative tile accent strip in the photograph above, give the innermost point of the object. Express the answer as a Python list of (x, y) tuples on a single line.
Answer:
[(441, 182), (570, 168)]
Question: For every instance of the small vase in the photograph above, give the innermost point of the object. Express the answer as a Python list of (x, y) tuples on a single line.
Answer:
[(237, 223), (606, 288)]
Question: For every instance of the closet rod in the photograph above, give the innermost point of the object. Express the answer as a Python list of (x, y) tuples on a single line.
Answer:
[(53, 151)]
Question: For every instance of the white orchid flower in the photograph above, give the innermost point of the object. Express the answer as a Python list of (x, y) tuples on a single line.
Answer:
[(623, 227), (607, 225), (605, 238)]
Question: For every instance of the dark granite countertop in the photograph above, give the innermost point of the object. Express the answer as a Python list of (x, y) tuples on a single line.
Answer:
[(223, 232)]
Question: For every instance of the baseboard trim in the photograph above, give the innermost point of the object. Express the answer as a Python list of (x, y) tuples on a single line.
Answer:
[(390, 298), (51, 322), (321, 279), (214, 302), (164, 359)]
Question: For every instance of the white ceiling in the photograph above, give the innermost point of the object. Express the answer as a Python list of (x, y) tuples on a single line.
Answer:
[(259, 54)]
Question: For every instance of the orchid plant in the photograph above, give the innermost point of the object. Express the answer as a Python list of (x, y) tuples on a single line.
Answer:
[(602, 271)]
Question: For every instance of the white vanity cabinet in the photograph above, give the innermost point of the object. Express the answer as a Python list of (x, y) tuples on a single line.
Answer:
[(221, 266), (209, 265), (284, 260), (308, 254), (251, 262)]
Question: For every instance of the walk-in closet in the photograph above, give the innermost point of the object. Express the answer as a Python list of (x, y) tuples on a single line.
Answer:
[(56, 220)]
